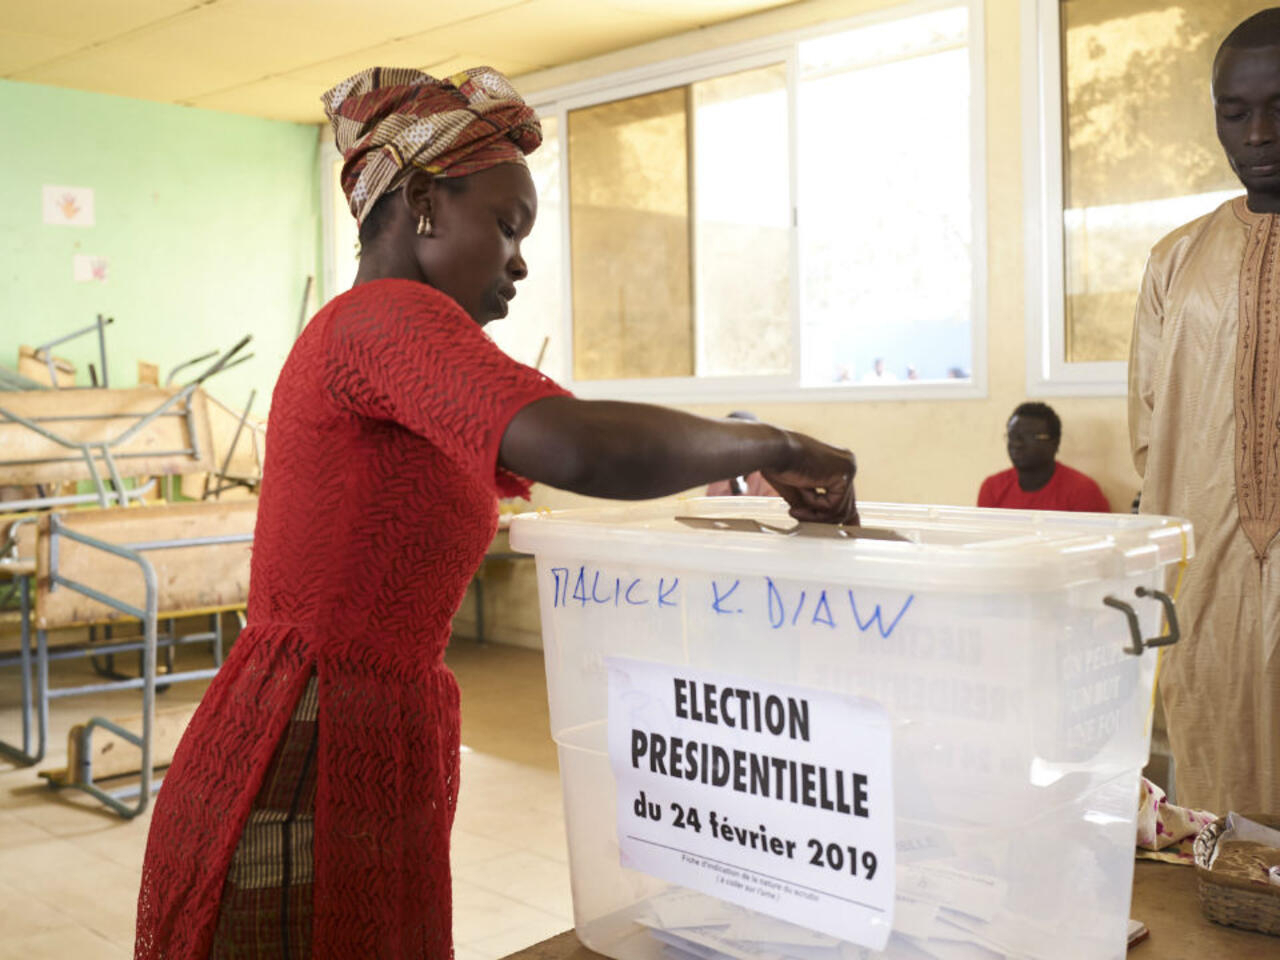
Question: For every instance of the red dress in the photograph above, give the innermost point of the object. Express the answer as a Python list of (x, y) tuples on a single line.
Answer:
[(1067, 489), (378, 502)]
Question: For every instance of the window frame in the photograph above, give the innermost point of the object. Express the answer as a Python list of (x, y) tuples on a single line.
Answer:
[(733, 58), (1049, 374), (327, 157)]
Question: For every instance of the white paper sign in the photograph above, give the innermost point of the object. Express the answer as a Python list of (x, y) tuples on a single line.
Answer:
[(87, 269), (68, 206), (774, 797)]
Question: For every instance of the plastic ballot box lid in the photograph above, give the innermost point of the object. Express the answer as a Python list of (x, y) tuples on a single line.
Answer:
[(924, 547)]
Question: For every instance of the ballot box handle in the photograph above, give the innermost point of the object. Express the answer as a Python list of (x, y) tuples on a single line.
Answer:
[(1171, 632), (1137, 644)]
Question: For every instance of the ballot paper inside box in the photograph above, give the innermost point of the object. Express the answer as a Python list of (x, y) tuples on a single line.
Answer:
[(1014, 727)]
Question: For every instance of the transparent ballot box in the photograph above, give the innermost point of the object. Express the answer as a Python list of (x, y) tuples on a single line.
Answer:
[(916, 739)]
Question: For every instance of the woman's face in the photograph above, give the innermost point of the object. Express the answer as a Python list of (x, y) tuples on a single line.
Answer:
[(472, 252)]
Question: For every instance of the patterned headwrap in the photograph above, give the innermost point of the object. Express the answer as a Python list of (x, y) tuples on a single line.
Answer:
[(389, 121)]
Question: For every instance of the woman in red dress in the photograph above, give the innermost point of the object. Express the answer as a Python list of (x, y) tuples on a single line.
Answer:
[(308, 808)]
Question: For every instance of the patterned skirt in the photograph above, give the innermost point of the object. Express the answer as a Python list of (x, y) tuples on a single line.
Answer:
[(266, 907)]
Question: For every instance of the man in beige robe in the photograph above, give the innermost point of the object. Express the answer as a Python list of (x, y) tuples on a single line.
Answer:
[(1204, 422)]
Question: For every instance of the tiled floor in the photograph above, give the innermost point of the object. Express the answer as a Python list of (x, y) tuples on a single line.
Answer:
[(69, 871)]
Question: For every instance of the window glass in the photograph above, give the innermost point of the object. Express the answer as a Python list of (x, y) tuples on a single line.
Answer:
[(629, 238), (1141, 156), (529, 332), (346, 238), (884, 202), (742, 216)]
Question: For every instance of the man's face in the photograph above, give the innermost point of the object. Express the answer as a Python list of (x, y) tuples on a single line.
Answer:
[(1029, 442), (1246, 101)]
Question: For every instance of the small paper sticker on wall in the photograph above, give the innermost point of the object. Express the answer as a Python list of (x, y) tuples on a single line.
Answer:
[(68, 206), (88, 268)]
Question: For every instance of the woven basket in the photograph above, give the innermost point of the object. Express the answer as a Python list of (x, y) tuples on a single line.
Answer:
[(1236, 903)]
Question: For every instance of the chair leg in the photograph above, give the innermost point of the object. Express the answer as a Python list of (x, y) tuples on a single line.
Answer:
[(216, 627), (37, 711), (106, 665)]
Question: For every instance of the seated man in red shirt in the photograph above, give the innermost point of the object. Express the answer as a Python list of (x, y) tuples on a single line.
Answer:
[(1036, 481)]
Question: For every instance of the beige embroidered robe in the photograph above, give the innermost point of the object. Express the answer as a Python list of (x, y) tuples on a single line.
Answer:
[(1204, 423)]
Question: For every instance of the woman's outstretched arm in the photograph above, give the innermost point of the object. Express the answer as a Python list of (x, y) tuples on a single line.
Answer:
[(633, 451)]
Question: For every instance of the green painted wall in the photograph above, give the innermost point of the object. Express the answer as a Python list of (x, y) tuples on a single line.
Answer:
[(209, 221)]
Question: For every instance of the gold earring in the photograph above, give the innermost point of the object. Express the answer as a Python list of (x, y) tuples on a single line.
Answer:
[(424, 225)]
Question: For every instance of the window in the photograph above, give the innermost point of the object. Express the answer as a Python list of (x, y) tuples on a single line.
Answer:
[(342, 239), (629, 238), (743, 225), (766, 222), (639, 215), (758, 222), (1124, 151), (535, 326), (885, 249)]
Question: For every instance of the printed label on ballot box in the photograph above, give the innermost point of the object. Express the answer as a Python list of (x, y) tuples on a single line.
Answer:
[(773, 797)]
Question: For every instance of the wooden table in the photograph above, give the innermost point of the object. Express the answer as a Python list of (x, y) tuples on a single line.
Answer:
[(1164, 898)]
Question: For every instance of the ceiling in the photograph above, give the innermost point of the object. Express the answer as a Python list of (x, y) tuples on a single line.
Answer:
[(273, 58)]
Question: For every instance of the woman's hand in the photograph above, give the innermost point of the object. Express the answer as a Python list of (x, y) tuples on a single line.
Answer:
[(816, 480)]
